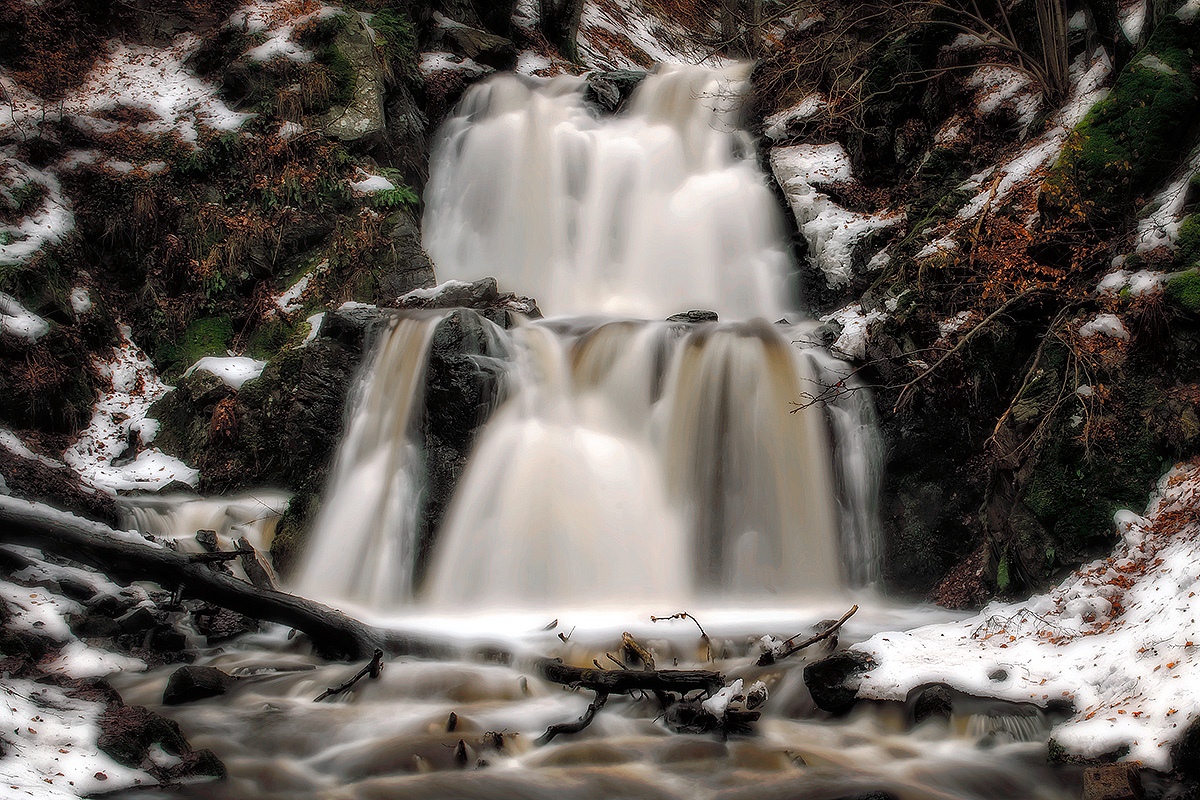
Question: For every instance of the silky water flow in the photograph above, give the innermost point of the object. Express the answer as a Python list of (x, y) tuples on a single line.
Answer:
[(631, 466)]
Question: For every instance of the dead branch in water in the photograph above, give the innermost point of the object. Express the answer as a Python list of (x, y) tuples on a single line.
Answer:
[(579, 724), (766, 659), (374, 669)]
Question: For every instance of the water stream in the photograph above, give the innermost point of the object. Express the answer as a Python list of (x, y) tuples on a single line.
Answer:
[(632, 467)]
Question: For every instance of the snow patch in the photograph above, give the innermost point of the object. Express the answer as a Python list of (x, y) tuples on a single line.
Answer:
[(433, 63), (81, 300), (833, 233), (233, 371), (45, 224), (135, 387), (1105, 325), (369, 184), (853, 339), (277, 21), (17, 321), (1161, 227), (1117, 639), (778, 125), (1003, 85)]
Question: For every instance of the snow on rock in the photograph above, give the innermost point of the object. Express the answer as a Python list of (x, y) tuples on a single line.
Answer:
[(368, 183), (944, 244), (233, 370), (81, 300), (1133, 19), (290, 130), (432, 63), (11, 442), (135, 387), (52, 752), (1146, 282), (1105, 325), (852, 341), (833, 233), (1112, 283), (1087, 73), (17, 321), (277, 21), (48, 222), (1118, 639), (612, 31), (289, 302), (1003, 85), (952, 325), (314, 327), (778, 125), (1160, 228), (1187, 12)]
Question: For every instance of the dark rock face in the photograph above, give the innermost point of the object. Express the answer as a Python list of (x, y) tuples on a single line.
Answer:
[(931, 701), (694, 316), (196, 683), (463, 386), (827, 680), (610, 90), (482, 295), (410, 267), (1112, 782), (479, 45)]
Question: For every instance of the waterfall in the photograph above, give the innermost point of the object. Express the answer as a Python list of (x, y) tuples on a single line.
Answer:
[(631, 459), (643, 214), (363, 544)]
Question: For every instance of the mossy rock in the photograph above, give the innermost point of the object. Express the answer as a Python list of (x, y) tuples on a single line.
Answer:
[(1187, 251), (1184, 290), (210, 336), (1131, 141)]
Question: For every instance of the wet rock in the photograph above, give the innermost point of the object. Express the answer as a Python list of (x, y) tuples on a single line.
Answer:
[(137, 621), (1112, 782), (694, 316), (221, 624), (462, 387), (166, 639), (1186, 752), (196, 683), (610, 90), (364, 115), (931, 701), (409, 265), (93, 625), (479, 45), (827, 680)]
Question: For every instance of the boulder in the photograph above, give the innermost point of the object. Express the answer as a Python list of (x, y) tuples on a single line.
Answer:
[(196, 683), (364, 115), (610, 90), (1112, 782), (828, 680)]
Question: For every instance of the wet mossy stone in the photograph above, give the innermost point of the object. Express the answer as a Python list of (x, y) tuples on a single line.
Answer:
[(1131, 141), (608, 91), (187, 684), (827, 680), (1184, 290)]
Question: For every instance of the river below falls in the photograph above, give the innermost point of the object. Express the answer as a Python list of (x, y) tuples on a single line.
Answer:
[(389, 737)]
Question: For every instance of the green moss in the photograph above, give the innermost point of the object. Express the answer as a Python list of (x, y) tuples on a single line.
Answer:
[(292, 531), (398, 39), (342, 75), (1188, 244), (1132, 139), (268, 339), (204, 337), (1185, 290)]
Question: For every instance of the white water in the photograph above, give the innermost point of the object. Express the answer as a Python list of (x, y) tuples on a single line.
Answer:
[(363, 545), (646, 214), (633, 462)]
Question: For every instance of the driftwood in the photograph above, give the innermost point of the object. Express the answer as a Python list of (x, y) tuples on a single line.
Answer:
[(579, 724), (124, 556), (374, 669), (623, 681), (766, 659)]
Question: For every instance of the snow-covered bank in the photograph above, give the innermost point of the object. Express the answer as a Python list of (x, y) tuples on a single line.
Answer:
[(1118, 639)]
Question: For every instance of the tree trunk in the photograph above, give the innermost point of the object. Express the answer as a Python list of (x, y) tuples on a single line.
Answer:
[(560, 25), (122, 555)]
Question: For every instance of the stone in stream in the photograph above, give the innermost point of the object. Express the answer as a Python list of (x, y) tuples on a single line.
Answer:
[(196, 683), (1112, 782), (827, 680)]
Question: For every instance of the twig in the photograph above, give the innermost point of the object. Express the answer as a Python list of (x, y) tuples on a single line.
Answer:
[(703, 636), (906, 389), (579, 724), (373, 669), (766, 659)]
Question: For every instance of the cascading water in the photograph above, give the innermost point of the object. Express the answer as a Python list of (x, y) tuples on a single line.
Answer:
[(629, 460), (645, 214), (363, 544), (633, 459)]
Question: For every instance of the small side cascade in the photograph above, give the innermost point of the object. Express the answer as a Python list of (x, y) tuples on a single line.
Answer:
[(178, 517), (362, 547)]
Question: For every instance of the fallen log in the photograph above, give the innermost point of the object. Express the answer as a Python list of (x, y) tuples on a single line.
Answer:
[(623, 681), (129, 557)]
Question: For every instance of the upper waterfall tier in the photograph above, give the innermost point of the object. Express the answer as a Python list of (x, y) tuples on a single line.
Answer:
[(657, 210)]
